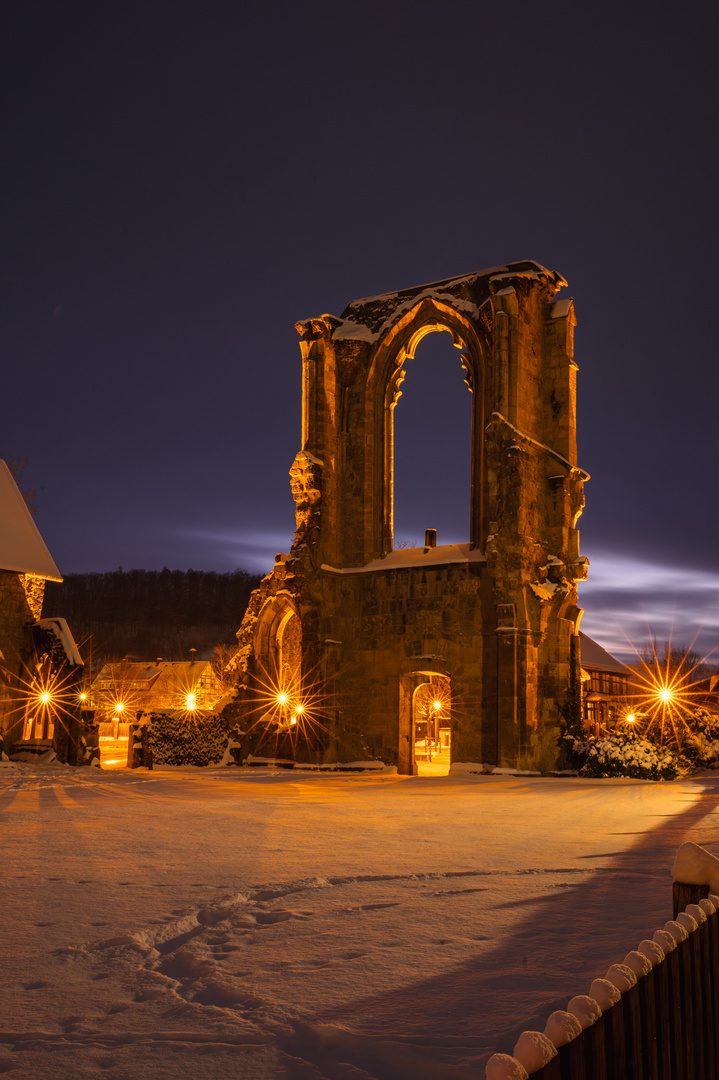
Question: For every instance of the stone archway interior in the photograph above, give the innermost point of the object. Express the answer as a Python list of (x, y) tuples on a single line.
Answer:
[(431, 719), (289, 654)]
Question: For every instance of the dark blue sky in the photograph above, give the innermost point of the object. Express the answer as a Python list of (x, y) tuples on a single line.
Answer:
[(184, 181)]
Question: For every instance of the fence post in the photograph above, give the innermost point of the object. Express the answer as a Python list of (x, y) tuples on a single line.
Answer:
[(616, 1043), (633, 1031), (684, 894), (571, 1060), (648, 1016), (595, 1050), (713, 928), (668, 1020)]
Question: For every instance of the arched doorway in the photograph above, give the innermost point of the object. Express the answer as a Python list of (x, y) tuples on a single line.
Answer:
[(431, 716), (425, 723)]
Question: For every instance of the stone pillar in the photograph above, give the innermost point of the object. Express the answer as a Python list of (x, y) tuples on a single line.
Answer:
[(507, 726)]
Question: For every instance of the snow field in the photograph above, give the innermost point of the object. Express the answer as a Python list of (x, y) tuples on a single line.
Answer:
[(212, 923)]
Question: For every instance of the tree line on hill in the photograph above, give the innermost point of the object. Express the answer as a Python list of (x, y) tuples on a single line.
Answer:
[(146, 614)]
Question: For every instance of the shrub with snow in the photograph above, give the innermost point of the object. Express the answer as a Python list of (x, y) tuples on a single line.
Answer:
[(623, 753), (699, 741)]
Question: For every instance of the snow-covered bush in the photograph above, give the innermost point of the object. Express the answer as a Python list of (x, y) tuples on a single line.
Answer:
[(699, 742), (181, 738), (626, 752)]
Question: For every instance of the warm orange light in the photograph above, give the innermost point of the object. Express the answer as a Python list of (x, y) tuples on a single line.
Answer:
[(190, 701), (665, 695), (119, 706), (83, 697), (45, 697), (436, 705), (299, 709), (631, 718), (282, 699), (293, 720)]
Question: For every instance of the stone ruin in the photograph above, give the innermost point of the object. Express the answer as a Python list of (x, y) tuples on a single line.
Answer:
[(350, 628)]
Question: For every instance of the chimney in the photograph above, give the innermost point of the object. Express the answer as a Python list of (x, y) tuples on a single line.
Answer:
[(192, 655), (430, 539)]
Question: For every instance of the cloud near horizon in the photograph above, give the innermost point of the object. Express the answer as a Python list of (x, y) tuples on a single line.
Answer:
[(627, 601)]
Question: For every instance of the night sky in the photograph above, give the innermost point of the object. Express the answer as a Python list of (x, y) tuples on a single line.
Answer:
[(183, 181)]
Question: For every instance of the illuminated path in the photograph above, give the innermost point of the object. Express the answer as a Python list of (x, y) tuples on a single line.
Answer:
[(228, 923)]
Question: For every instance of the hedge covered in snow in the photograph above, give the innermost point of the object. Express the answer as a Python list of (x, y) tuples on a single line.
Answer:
[(624, 753), (700, 745), (644, 752), (181, 738)]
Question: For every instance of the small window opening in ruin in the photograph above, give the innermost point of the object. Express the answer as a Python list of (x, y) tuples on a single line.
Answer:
[(431, 714), (432, 446), (289, 642)]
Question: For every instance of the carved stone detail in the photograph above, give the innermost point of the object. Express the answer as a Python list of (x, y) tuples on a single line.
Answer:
[(306, 483)]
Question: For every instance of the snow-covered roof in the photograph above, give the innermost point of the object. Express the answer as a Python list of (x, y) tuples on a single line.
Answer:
[(168, 676), (595, 657), (416, 558), (22, 549)]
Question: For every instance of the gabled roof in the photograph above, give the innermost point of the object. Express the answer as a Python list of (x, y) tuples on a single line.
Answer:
[(166, 676), (22, 549), (596, 658)]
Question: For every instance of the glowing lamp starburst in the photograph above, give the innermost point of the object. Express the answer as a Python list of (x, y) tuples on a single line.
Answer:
[(45, 697), (631, 718), (665, 695), (436, 705), (119, 707), (190, 701), (282, 699)]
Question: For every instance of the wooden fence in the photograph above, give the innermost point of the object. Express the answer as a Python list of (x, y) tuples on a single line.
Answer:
[(664, 1028)]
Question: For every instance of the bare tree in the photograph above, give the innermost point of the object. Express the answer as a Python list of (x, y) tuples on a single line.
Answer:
[(17, 466), (679, 661), (220, 660)]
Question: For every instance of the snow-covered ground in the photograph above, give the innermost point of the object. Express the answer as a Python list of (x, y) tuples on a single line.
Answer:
[(243, 923)]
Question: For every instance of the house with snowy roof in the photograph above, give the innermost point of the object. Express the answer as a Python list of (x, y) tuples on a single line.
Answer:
[(36, 654), (122, 691), (606, 686), (129, 687)]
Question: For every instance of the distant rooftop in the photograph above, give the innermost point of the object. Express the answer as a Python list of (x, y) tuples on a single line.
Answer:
[(594, 656)]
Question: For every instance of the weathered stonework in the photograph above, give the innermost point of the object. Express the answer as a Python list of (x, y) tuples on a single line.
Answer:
[(495, 616), (18, 607)]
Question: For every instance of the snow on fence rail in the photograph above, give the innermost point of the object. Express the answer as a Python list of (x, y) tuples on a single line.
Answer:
[(655, 1016)]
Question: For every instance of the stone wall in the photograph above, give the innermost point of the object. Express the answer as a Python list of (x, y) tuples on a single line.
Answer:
[(20, 605)]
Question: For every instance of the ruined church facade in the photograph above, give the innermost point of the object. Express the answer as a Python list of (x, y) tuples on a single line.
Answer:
[(348, 630)]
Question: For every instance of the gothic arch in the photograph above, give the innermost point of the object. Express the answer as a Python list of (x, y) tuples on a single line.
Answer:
[(386, 374), (277, 622)]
